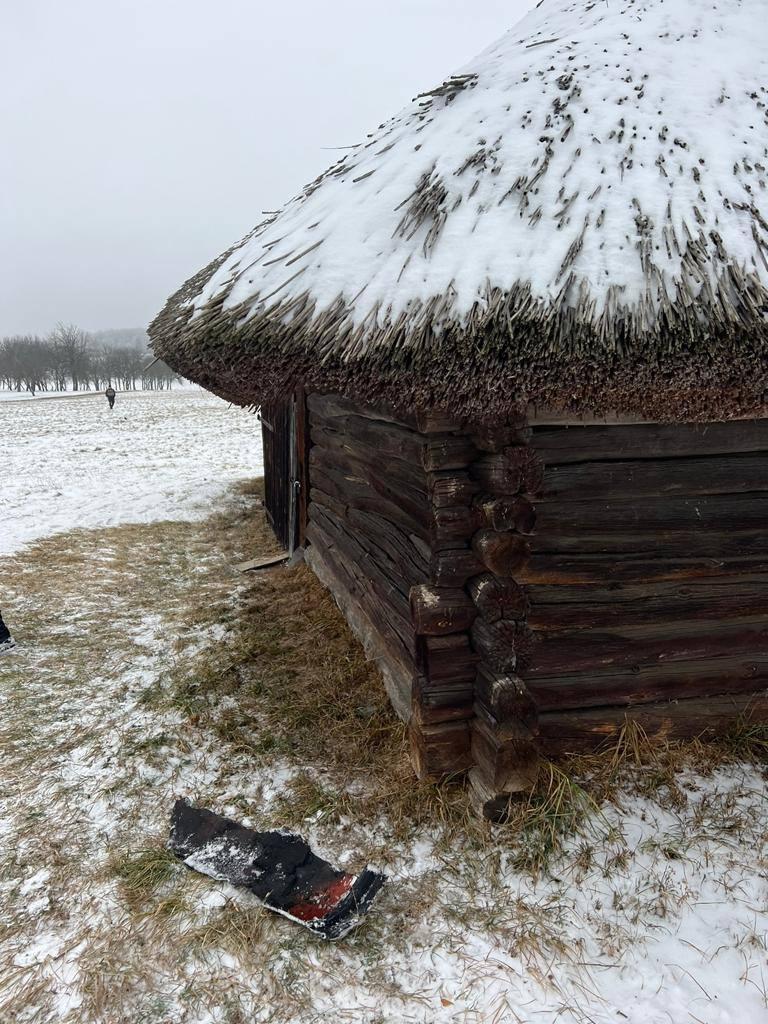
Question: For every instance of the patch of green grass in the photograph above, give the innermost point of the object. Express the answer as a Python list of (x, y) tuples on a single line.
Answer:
[(142, 873), (305, 797), (557, 809), (748, 741), (172, 906), (151, 696), (234, 928), (280, 681), (149, 745), (266, 744)]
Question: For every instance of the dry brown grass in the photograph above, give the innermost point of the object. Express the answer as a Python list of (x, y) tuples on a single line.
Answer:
[(292, 669), (144, 873), (638, 764), (292, 683)]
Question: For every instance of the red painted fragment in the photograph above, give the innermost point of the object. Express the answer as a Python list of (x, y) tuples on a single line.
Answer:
[(323, 902)]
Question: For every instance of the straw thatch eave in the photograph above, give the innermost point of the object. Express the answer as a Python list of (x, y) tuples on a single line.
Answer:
[(602, 245), (559, 363)]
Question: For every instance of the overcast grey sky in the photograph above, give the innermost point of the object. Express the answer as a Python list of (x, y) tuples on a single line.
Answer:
[(140, 138)]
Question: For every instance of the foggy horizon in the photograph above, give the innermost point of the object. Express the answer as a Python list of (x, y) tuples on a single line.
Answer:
[(142, 140)]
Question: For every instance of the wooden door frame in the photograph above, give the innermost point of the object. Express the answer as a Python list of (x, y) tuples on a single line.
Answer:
[(300, 444)]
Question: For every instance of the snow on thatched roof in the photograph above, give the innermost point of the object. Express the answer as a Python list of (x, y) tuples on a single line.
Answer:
[(579, 216)]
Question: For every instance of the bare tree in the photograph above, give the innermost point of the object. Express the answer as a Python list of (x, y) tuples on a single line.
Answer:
[(158, 376), (71, 343), (71, 358), (25, 363)]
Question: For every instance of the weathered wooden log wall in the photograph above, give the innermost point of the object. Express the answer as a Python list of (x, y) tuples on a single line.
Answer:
[(525, 588), (418, 525), (648, 580), (391, 517)]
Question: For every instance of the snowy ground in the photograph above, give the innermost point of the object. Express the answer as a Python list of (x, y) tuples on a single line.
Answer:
[(656, 913), (27, 396), (70, 462)]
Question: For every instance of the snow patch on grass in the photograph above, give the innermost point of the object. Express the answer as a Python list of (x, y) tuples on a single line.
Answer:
[(157, 455)]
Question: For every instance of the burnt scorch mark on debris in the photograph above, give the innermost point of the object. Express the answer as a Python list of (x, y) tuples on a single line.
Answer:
[(278, 867)]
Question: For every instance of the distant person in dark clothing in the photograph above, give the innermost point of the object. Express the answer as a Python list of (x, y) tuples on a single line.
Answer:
[(6, 640), (110, 393)]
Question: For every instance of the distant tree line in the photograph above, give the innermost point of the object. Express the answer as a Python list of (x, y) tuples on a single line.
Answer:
[(71, 359)]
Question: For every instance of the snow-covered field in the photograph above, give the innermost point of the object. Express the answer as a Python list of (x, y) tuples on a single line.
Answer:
[(69, 462), (657, 912)]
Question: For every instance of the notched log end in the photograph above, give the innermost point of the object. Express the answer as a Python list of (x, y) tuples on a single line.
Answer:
[(501, 553), (440, 611)]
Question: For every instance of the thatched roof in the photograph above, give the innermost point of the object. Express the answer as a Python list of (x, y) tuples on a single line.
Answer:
[(579, 217)]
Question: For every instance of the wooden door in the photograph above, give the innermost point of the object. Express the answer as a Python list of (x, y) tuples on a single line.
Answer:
[(285, 434)]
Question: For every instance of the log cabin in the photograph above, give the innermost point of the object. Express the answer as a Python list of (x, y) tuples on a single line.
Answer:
[(510, 357)]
